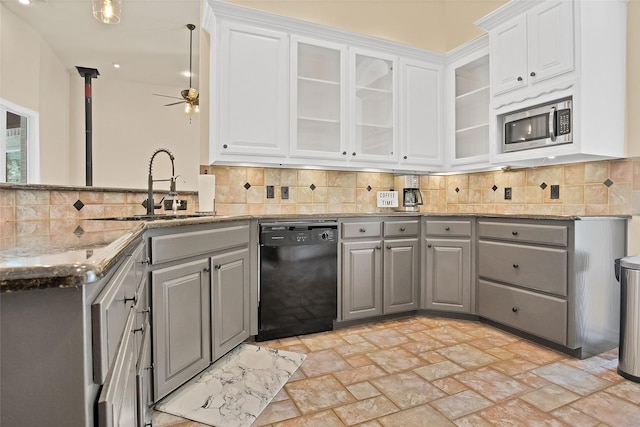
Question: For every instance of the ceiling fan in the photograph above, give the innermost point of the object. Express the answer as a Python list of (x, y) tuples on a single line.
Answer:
[(190, 96)]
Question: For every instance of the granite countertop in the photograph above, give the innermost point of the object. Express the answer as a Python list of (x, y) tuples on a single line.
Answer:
[(82, 252)]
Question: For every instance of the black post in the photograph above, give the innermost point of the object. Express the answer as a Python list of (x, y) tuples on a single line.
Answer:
[(88, 74)]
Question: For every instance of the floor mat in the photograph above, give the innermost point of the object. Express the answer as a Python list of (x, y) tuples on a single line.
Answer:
[(234, 390)]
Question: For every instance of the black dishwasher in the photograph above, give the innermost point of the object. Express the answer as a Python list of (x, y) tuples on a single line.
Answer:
[(298, 278)]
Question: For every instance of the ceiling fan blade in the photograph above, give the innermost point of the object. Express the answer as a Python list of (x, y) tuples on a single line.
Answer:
[(175, 103), (166, 96)]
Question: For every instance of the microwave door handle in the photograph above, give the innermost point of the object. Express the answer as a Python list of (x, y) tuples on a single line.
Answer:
[(552, 128)]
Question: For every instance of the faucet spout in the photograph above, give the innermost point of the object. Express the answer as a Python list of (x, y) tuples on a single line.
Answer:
[(150, 203)]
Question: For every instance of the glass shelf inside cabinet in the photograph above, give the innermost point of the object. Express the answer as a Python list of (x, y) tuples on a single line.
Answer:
[(472, 109)]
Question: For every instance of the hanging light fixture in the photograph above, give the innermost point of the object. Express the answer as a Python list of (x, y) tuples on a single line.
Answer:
[(107, 11)]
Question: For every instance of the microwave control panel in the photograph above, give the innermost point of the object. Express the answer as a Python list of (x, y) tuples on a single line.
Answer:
[(564, 121)]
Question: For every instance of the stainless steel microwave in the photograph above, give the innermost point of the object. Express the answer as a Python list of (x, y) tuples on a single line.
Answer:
[(540, 126)]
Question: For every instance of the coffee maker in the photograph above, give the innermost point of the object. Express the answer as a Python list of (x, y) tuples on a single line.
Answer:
[(411, 195)]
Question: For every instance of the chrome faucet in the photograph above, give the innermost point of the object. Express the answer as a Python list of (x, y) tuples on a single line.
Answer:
[(172, 188)]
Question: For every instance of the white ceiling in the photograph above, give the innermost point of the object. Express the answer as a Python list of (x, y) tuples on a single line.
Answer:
[(151, 42)]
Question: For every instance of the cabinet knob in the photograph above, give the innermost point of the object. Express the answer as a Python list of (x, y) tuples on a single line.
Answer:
[(402, 229), (388, 247), (515, 233), (519, 79), (405, 157), (353, 154), (378, 247), (429, 245), (225, 146), (447, 228), (363, 230), (515, 309), (217, 266), (146, 261), (344, 153), (533, 74), (206, 269), (516, 266)]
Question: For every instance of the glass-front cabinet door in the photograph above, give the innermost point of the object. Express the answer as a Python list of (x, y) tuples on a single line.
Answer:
[(318, 101), (373, 107)]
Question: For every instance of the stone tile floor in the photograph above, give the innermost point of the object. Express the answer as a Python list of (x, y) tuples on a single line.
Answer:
[(424, 371)]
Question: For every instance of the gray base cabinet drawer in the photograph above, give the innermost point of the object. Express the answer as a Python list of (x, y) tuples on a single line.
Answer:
[(540, 315), (400, 228), (184, 245), (535, 267), (448, 228), (361, 229), (556, 235)]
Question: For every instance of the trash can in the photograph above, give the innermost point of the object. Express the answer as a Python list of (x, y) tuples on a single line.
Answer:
[(627, 272)]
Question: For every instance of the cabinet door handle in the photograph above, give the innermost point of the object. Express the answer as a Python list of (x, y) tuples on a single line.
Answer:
[(353, 154), (217, 266), (134, 299), (388, 247), (533, 74), (447, 228), (344, 153), (402, 229), (515, 309), (378, 247), (146, 261), (206, 269), (515, 233), (429, 245), (137, 330), (516, 266), (519, 79), (363, 230)]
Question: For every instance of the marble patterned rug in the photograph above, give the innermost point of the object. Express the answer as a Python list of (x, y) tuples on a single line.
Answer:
[(234, 390)]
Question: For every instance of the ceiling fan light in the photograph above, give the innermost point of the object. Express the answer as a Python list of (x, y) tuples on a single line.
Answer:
[(196, 108), (107, 11), (187, 108)]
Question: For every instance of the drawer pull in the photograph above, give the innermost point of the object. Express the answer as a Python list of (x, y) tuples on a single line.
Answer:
[(134, 299), (363, 230), (516, 266), (515, 309), (447, 228), (515, 233), (402, 229), (137, 330)]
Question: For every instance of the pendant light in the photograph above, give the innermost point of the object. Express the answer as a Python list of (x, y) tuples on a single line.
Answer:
[(107, 11)]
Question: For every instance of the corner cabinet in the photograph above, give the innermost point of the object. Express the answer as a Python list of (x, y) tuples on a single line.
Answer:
[(380, 267), (448, 265), (200, 287)]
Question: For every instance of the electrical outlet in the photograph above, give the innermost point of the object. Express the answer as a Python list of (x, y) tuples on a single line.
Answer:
[(284, 192), (168, 204), (507, 193), (555, 191), (270, 192)]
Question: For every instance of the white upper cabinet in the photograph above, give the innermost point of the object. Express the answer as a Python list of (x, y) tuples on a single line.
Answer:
[(467, 113), (420, 113), (532, 47), (250, 99), (373, 107), (318, 99)]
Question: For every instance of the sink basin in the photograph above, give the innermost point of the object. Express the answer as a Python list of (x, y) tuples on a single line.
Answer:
[(154, 217)]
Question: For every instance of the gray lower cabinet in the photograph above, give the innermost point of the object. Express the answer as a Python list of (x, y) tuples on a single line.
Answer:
[(229, 294), (380, 267), (201, 296), (447, 265), (181, 323), (553, 279)]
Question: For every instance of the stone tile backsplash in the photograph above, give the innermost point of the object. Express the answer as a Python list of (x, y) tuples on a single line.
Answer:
[(593, 188)]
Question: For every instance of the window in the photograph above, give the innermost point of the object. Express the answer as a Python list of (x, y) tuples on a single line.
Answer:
[(19, 144)]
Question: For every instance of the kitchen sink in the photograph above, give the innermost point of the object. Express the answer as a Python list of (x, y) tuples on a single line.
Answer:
[(154, 217)]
